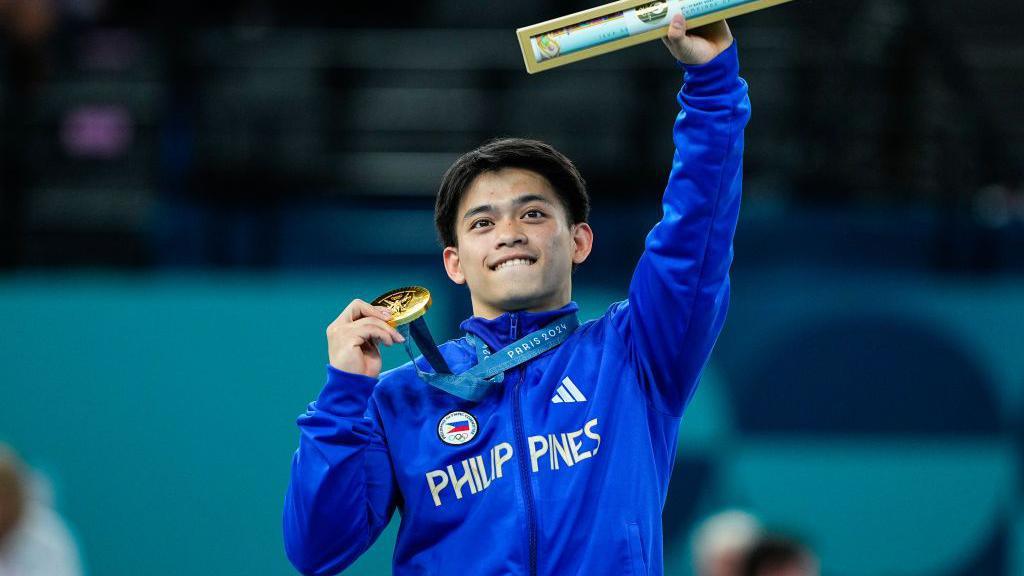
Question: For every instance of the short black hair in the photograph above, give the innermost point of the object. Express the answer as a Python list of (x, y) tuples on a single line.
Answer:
[(773, 552), (500, 153)]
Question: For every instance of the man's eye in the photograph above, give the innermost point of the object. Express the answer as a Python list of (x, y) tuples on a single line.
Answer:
[(474, 224), (537, 212)]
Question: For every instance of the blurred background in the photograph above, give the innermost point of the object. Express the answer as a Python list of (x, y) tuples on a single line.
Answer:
[(190, 192)]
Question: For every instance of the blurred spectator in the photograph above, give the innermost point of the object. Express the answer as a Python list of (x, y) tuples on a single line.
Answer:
[(25, 27), (721, 543), (33, 538), (780, 556)]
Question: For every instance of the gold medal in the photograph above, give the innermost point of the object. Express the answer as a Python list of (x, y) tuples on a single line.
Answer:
[(406, 304)]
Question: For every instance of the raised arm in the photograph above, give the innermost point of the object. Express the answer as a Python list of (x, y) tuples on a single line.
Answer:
[(679, 292), (342, 490)]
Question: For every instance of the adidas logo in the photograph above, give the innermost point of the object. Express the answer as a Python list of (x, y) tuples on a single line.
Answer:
[(568, 392)]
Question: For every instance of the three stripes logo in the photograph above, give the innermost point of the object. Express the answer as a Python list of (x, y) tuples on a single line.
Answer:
[(567, 392)]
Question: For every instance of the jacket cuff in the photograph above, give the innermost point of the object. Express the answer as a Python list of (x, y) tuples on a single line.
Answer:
[(345, 393), (714, 77)]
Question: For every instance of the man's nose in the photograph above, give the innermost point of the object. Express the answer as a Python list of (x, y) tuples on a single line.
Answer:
[(510, 233)]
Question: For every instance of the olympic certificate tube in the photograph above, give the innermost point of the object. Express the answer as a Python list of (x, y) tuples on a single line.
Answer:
[(623, 24)]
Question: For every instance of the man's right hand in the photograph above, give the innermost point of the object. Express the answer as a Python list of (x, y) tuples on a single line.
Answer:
[(697, 46), (353, 336)]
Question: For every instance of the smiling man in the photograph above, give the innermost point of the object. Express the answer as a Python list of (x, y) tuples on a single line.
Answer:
[(561, 465), (511, 236)]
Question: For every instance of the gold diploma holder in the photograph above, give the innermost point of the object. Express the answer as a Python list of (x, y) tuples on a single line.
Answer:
[(531, 36)]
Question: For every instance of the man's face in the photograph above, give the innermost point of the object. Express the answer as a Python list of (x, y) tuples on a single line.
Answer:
[(516, 248)]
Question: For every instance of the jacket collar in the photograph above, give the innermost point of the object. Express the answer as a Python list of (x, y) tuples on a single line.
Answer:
[(511, 326)]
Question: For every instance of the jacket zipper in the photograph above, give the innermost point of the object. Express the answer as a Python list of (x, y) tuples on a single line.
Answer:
[(524, 473)]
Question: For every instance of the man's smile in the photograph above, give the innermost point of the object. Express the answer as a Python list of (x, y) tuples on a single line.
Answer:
[(513, 261)]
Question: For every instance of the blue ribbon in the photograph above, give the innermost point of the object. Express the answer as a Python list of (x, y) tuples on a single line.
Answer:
[(473, 384)]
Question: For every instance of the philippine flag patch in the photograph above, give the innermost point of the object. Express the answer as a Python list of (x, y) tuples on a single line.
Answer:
[(456, 428)]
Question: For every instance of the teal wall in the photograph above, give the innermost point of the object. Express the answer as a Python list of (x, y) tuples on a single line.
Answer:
[(162, 408)]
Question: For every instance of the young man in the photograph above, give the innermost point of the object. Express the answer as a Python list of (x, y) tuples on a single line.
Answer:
[(563, 466)]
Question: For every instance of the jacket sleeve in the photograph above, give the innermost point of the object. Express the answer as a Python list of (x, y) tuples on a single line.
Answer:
[(342, 489), (679, 292)]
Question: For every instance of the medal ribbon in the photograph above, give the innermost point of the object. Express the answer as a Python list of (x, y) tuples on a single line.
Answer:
[(490, 368)]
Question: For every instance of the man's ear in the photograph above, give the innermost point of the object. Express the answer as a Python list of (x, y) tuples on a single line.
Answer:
[(452, 265), (583, 242)]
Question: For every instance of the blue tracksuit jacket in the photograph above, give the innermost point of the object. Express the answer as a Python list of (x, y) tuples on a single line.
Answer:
[(570, 457)]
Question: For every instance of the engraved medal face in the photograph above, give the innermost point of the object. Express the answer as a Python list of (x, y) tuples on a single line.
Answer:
[(406, 304)]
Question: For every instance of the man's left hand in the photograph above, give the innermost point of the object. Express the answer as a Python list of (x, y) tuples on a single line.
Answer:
[(697, 46)]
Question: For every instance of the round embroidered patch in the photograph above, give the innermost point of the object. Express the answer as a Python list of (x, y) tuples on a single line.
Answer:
[(456, 428)]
